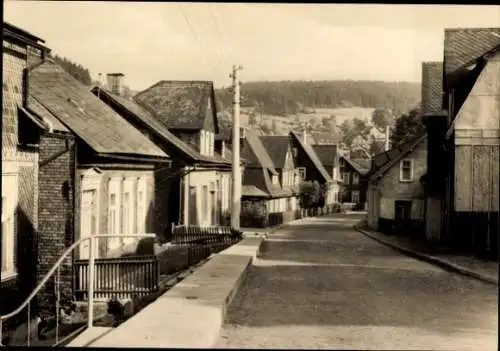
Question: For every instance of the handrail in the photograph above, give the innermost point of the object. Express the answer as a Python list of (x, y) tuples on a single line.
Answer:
[(59, 262)]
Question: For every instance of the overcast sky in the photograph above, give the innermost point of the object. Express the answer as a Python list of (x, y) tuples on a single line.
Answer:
[(201, 41)]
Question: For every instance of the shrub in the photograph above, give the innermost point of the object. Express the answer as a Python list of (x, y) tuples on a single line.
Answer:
[(253, 214)]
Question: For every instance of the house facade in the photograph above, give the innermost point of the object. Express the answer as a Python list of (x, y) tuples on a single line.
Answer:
[(310, 167), (471, 90), (353, 173), (280, 150), (265, 201), (114, 170), (187, 109), (330, 158), (396, 198), (22, 145)]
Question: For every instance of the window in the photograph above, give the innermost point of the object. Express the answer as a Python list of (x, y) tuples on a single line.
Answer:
[(406, 171), (141, 206), (126, 213), (202, 142), (345, 178), (112, 212), (275, 179), (9, 204), (204, 204), (355, 178), (302, 173), (114, 217), (295, 152), (355, 196)]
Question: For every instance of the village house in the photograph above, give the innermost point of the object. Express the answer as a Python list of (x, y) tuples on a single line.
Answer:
[(115, 163), (186, 160), (310, 168), (434, 118), (471, 139), (354, 175), (396, 199), (329, 156), (280, 150), (25, 142), (263, 197), (188, 110)]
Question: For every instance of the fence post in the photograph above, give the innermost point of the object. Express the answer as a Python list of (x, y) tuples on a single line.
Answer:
[(91, 283)]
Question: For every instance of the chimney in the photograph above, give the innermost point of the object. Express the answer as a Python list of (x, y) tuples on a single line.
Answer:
[(115, 83), (387, 129), (304, 136)]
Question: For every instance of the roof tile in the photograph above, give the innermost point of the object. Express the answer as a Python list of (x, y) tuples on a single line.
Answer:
[(464, 45), (89, 118), (178, 104)]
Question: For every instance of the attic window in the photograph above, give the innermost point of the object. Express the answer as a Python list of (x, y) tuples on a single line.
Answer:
[(406, 170), (275, 179), (302, 173), (295, 152)]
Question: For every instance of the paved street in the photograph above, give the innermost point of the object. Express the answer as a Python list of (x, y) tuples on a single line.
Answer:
[(321, 284)]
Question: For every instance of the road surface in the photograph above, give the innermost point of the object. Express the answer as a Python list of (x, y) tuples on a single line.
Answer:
[(321, 284)]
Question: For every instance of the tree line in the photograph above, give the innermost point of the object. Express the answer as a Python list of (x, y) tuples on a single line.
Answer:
[(291, 97), (76, 70)]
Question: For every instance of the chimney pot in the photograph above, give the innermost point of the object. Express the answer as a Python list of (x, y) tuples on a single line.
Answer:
[(115, 83)]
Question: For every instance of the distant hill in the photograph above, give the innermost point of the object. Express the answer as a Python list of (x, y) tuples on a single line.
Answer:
[(285, 98)]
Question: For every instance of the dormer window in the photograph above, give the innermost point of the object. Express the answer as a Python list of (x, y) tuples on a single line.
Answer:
[(302, 173), (275, 179)]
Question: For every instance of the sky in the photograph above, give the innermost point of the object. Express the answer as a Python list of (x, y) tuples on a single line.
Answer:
[(156, 41)]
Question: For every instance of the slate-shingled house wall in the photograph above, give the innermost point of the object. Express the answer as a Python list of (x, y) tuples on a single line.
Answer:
[(471, 94)]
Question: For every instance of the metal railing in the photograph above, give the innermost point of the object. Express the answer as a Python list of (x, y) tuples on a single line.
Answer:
[(119, 277), (56, 270)]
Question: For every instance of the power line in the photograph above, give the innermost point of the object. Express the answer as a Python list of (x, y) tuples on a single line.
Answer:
[(198, 39), (223, 42)]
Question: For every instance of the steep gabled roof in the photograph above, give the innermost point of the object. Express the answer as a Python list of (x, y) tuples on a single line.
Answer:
[(150, 120), (255, 152), (432, 88), (360, 165), (327, 154), (397, 156), (462, 46), (312, 156), (179, 104), (72, 103), (276, 146)]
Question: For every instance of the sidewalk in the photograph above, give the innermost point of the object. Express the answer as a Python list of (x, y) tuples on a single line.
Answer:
[(486, 271)]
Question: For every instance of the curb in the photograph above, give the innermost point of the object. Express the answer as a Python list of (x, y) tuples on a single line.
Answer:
[(432, 259)]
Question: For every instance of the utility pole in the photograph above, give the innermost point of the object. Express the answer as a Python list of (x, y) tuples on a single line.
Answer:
[(236, 188)]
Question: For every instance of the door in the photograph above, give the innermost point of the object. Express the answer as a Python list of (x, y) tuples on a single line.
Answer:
[(88, 222), (402, 213)]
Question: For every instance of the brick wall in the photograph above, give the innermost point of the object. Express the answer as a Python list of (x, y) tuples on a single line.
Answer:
[(56, 211)]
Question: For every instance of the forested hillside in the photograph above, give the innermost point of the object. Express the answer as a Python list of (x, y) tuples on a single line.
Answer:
[(283, 98)]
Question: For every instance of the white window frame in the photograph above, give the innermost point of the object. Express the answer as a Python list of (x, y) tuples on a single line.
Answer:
[(9, 193), (202, 142), (355, 178), (401, 173), (302, 173), (114, 189), (141, 206), (205, 198), (91, 181), (128, 222), (345, 178), (355, 196)]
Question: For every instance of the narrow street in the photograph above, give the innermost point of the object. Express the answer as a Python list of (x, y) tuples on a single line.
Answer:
[(321, 284)]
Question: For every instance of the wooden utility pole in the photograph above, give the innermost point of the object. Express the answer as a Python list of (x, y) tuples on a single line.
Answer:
[(236, 188)]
